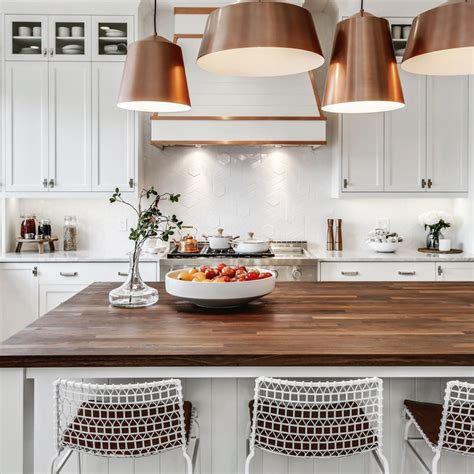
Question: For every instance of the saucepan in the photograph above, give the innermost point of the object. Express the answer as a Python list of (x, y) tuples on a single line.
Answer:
[(252, 245), (220, 241)]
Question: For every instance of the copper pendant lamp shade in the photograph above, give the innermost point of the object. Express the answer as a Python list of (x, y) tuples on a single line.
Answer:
[(260, 39), (441, 41), (363, 75)]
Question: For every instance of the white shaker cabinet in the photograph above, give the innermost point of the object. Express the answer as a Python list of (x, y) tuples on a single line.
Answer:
[(447, 134), (26, 125), (18, 297), (113, 131), (405, 138), (362, 152), (69, 126), (51, 296), (455, 271)]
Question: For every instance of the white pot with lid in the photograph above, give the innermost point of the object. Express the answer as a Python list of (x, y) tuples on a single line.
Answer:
[(220, 241), (252, 245)]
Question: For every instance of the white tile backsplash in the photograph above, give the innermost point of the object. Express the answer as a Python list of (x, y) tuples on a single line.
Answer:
[(284, 193)]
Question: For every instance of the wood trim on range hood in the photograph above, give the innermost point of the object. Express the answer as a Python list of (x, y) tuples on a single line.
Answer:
[(319, 117)]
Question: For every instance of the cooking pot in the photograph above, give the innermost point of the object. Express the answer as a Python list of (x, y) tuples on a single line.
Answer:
[(252, 245), (188, 243), (220, 241)]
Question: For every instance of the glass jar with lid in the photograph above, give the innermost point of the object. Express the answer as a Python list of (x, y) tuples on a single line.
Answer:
[(28, 227), (44, 228), (70, 233)]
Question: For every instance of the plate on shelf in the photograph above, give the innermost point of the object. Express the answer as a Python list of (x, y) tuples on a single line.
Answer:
[(115, 33), (73, 47), (30, 51)]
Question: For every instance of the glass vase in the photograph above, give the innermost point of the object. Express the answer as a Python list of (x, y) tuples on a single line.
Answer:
[(134, 293), (432, 240)]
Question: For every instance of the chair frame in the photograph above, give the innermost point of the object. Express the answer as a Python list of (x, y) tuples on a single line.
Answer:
[(452, 386), (292, 386), (64, 452)]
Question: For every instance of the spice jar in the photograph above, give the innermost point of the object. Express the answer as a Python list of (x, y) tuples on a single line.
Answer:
[(44, 228), (28, 227), (70, 233)]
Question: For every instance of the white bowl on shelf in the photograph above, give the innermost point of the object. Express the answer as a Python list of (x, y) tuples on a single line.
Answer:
[(218, 295), (112, 33), (384, 247)]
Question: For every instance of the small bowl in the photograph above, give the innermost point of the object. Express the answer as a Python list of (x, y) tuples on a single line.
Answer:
[(218, 295), (384, 247)]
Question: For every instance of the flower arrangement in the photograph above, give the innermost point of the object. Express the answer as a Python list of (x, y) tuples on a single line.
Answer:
[(435, 221)]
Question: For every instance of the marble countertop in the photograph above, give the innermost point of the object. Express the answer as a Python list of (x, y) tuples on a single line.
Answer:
[(313, 257)]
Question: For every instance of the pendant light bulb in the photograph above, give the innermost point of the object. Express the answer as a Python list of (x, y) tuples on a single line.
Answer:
[(260, 39), (441, 41), (154, 78), (363, 74)]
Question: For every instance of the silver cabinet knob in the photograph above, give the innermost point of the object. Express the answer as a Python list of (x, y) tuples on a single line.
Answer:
[(69, 274), (51, 52), (45, 182), (297, 274), (35, 271), (440, 270), (350, 274), (45, 52), (407, 273), (122, 274), (51, 183)]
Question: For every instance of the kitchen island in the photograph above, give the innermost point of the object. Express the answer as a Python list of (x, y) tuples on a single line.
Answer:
[(414, 335)]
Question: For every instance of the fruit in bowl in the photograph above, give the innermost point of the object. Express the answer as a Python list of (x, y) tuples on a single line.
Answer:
[(242, 285)]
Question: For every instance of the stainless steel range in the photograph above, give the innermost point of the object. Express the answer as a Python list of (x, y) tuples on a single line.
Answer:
[(289, 259)]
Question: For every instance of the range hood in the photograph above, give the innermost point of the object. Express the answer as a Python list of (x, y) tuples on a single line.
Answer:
[(281, 110)]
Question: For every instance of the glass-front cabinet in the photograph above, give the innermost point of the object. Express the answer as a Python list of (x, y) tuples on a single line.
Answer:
[(112, 35), (67, 37)]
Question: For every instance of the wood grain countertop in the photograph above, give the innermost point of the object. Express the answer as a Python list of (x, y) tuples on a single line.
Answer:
[(299, 324)]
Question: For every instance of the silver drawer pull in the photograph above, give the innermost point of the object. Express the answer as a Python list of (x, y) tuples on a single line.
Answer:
[(350, 274), (68, 274), (122, 274), (407, 273)]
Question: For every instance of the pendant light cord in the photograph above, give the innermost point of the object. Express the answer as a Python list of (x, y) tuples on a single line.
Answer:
[(362, 7), (154, 19)]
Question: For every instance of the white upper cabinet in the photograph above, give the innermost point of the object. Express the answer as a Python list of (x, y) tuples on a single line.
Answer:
[(69, 38), (111, 37), (113, 147), (447, 134), (26, 125), (405, 138), (69, 126), (26, 38), (362, 152)]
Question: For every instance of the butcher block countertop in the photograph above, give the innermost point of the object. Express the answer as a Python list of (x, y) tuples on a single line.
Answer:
[(299, 324)]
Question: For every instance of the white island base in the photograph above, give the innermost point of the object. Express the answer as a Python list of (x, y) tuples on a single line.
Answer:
[(221, 396)]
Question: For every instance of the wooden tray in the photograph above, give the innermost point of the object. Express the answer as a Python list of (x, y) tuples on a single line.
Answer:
[(452, 251), (39, 242)]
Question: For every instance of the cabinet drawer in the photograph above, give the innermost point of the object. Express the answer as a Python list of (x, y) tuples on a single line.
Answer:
[(455, 271), (86, 273), (377, 271)]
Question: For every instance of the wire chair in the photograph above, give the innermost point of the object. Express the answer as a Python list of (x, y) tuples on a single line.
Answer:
[(130, 421), (449, 426), (317, 419)]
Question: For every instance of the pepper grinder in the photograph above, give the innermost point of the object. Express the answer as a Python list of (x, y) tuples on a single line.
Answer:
[(330, 237), (338, 243)]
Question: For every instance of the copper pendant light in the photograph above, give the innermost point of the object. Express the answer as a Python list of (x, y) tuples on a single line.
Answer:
[(154, 79), (260, 39), (363, 74), (441, 41)]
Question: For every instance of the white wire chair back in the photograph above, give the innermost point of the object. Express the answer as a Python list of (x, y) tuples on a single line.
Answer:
[(457, 423), (130, 420), (317, 419)]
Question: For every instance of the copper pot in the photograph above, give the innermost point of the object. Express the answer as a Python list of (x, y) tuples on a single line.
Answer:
[(188, 243)]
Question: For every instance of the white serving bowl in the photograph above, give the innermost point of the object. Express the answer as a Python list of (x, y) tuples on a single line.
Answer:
[(384, 247), (218, 295)]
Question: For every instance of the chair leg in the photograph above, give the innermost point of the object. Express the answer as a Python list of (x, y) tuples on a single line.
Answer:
[(79, 466), (434, 463), (247, 461), (52, 464), (381, 461), (189, 463)]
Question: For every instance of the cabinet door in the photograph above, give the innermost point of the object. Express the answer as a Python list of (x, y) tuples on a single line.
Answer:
[(69, 126), (69, 38), (51, 296), (111, 36), (405, 138), (447, 136), (26, 125), (26, 38), (362, 152), (113, 132), (455, 271), (18, 297)]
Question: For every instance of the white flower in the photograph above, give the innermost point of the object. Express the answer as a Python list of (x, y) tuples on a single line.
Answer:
[(433, 217)]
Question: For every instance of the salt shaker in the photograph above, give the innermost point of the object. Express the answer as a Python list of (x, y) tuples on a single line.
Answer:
[(70, 233), (330, 237), (338, 242)]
